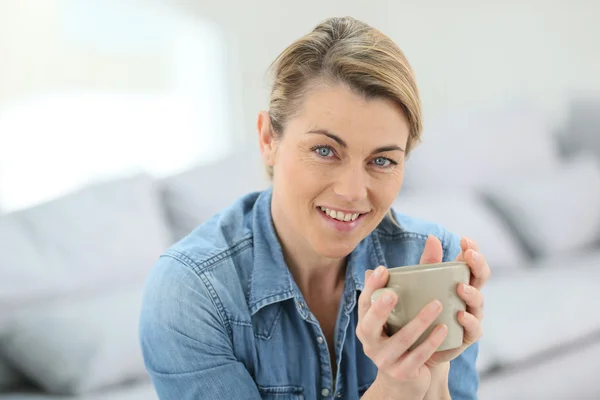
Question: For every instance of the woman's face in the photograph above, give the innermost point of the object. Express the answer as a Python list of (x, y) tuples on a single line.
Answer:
[(338, 167)]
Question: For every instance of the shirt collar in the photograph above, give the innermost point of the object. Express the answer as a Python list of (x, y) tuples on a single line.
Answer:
[(271, 280)]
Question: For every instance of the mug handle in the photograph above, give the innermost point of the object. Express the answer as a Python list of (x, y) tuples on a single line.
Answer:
[(397, 316)]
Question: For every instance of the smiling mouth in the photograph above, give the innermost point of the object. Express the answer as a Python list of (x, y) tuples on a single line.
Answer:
[(340, 215)]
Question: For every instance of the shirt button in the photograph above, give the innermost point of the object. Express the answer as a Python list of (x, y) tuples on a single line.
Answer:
[(339, 395), (325, 392), (320, 339), (301, 305)]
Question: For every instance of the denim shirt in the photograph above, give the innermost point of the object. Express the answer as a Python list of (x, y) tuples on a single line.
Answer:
[(222, 317)]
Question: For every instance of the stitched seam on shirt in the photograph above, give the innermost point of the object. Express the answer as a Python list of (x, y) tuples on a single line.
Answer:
[(266, 300), (209, 287), (217, 302), (403, 235), (214, 260), (377, 250), (240, 323), (273, 324), (412, 235)]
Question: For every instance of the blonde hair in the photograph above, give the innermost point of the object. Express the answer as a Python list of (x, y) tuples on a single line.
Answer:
[(344, 51)]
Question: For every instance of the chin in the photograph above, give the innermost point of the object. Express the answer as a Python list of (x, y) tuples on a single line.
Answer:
[(334, 250)]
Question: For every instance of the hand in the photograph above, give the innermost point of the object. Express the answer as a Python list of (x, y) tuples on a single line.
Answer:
[(401, 374), (471, 294)]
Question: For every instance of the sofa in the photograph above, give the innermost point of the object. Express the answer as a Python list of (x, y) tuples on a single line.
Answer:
[(72, 270)]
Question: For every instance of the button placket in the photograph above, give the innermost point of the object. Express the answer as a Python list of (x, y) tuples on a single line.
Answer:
[(302, 309)]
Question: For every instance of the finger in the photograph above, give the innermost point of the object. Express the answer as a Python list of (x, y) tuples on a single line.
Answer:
[(373, 281), (472, 325), (480, 270), (433, 252), (401, 341), (413, 360), (473, 299), (466, 244), (370, 328)]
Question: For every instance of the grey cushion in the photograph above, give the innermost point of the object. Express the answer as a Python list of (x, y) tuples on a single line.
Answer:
[(475, 147), (553, 305), (567, 373), (556, 212), (466, 214), (195, 195), (98, 237), (137, 391), (581, 131), (9, 377), (78, 345)]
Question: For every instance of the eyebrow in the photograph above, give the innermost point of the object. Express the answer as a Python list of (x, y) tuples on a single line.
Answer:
[(339, 140)]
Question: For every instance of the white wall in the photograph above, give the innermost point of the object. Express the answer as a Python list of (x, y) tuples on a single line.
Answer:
[(96, 89), (465, 53)]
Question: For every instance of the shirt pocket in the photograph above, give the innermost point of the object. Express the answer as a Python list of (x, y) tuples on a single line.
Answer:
[(281, 392)]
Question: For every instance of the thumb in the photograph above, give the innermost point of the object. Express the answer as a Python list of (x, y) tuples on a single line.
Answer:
[(432, 253)]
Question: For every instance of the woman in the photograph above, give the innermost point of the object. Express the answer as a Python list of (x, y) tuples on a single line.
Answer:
[(270, 298)]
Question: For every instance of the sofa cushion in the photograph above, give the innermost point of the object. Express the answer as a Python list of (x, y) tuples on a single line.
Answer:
[(571, 373), (10, 378), (555, 212), (536, 310), (581, 131), (464, 213), (78, 345), (142, 390), (469, 149), (195, 195), (101, 236)]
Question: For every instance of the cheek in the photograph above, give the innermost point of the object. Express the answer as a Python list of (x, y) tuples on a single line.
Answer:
[(304, 170), (387, 187), (298, 175)]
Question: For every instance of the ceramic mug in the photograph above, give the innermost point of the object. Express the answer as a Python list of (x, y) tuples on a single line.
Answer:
[(416, 286)]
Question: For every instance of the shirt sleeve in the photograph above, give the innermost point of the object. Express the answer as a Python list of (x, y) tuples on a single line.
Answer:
[(185, 342), (463, 379)]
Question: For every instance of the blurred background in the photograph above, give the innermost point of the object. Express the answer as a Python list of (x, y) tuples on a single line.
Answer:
[(124, 124)]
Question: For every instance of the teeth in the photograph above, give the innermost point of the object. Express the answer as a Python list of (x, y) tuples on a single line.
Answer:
[(340, 215)]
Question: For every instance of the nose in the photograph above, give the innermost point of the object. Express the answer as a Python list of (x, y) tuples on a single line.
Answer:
[(351, 184)]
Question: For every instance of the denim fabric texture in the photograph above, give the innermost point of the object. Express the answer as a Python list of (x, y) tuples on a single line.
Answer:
[(223, 318)]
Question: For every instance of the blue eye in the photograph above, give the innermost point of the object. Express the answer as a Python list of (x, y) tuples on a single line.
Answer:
[(323, 151), (382, 162)]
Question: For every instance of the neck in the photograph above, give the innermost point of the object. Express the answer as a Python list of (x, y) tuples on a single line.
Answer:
[(312, 272)]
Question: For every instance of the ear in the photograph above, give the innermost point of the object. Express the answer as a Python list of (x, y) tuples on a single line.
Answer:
[(266, 138)]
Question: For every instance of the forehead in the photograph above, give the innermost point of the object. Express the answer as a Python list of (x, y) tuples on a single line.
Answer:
[(340, 109)]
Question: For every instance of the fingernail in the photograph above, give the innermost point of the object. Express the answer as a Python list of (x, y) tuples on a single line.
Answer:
[(378, 272), (475, 256), (435, 306), (443, 329), (466, 289), (387, 299)]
